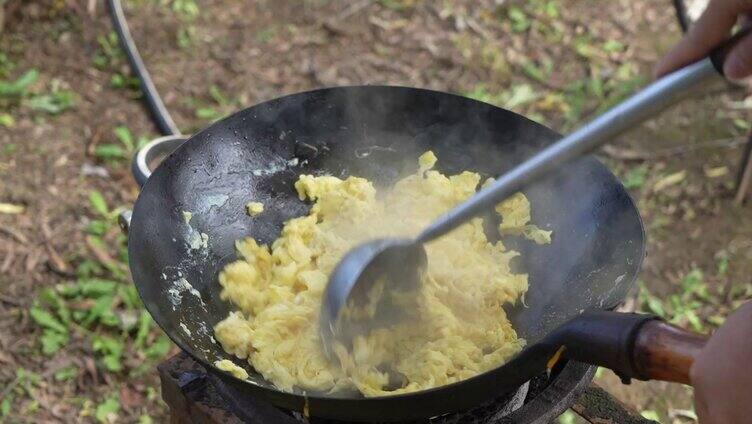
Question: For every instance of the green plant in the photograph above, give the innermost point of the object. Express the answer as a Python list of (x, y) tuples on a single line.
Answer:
[(398, 5), (6, 65), (64, 374), (267, 34), (599, 91), (584, 46), (540, 73), (55, 333), (109, 348), (185, 36), (17, 93), (125, 147), (651, 415), (52, 103), (519, 20), (635, 177), (548, 8), (5, 406), (697, 304), (101, 221), (12, 92), (125, 82), (613, 46), (99, 305), (567, 417), (7, 120), (109, 53), (109, 57), (107, 411), (219, 106), (512, 98), (187, 9), (24, 385), (681, 308)]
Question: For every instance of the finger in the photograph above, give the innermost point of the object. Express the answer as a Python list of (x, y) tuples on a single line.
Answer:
[(708, 32), (701, 408)]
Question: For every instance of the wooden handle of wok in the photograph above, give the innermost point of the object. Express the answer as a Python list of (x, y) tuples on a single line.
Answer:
[(632, 345), (664, 352)]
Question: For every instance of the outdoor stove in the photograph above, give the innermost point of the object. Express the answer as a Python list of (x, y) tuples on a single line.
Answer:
[(195, 396)]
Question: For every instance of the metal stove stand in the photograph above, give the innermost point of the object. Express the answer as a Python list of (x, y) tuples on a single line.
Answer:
[(193, 399)]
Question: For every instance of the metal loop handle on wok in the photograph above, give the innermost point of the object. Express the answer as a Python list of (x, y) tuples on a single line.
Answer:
[(145, 156), (143, 164)]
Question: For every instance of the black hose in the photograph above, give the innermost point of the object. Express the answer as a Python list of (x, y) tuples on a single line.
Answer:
[(682, 15), (154, 103)]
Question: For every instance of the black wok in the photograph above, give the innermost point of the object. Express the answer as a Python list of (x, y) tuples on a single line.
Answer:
[(378, 133)]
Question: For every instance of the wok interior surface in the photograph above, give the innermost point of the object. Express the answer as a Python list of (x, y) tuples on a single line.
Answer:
[(376, 133)]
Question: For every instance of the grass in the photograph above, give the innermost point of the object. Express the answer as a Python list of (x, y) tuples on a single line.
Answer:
[(214, 106), (99, 306), (398, 5), (107, 410), (110, 58), (96, 312), (123, 148), (635, 177), (520, 22), (696, 304), (108, 53), (100, 303), (607, 79), (512, 98), (20, 93), (568, 417), (185, 36), (6, 65), (267, 34), (186, 9)]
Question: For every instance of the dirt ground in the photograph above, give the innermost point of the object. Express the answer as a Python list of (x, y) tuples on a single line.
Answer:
[(556, 61)]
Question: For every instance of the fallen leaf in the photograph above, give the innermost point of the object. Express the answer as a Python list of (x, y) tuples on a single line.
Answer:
[(6, 359), (130, 399), (651, 415), (716, 172), (669, 180), (89, 170), (7, 120), (102, 255), (10, 208), (91, 368), (682, 413), (81, 305)]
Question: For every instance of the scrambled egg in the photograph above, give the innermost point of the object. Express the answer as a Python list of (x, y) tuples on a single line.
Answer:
[(229, 366), (460, 329)]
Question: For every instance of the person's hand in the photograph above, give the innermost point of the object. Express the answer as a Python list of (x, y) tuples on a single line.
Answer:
[(713, 27), (721, 373)]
